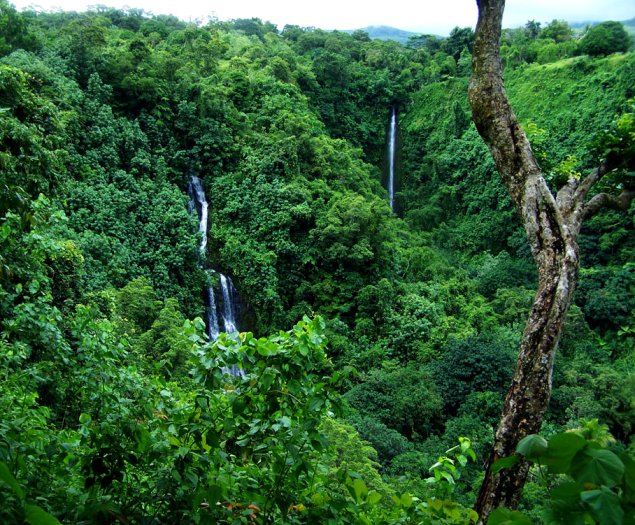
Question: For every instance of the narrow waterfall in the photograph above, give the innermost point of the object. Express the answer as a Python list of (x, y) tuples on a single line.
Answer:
[(392, 147), (229, 304), (213, 329), (198, 202)]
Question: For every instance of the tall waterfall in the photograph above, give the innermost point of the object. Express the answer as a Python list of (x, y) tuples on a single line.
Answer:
[(213, 329), (392, 147), (229, 304), (198, 202)]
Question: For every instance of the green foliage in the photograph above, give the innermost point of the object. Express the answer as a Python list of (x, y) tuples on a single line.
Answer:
[(347, 450), (138, 304), (445, 471), (605, 38), (596, 391), (597, 487), (31, 157), (403, 398), (459, 40), (557, 30), (14, 30), (617, 143), (110, 112), (476, 364), (388, 443), (33, 514)]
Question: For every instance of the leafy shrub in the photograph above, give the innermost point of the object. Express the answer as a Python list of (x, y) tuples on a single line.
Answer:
[(476, 364)]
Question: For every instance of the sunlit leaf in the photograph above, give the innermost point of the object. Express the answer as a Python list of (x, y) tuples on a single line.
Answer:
[(532, 446)]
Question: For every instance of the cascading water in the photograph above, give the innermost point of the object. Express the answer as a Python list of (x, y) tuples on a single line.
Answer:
[(229, 304), (199, 203), (213, 329), (230, 296), (392, 147)]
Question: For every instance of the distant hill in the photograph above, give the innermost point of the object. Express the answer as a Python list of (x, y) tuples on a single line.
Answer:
[(629, 24), (386, 33), (402, 36)]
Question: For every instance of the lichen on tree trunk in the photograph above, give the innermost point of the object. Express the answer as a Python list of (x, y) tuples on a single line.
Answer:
[(552, 224)]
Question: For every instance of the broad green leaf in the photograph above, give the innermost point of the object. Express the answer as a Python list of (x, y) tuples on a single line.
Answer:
[(503, 516), (561, 449), (605, 506), (406, 500), (435, 504), (532, 446), (629, 470), (567, 493), (597, 466), (551, 517), (35, 515), (266, 379), (358, 490), (143, 439), (315, 403), (373, 497), (7, 477), (503, 463), (448, 477), (228, 424), (565, 504), (238, 405)]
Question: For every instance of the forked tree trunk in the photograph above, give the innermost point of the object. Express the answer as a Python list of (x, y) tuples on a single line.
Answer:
[(529, 393), (552, 227)]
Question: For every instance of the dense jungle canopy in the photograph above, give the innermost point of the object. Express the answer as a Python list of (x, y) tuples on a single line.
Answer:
[(375, 345)]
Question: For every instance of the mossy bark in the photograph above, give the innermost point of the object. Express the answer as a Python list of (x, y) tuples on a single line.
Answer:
[(552, 224)]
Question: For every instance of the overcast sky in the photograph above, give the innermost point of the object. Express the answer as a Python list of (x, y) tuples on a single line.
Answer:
[(425, 16)]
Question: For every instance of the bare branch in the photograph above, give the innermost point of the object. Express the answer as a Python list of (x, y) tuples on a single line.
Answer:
[(570, 197), (621, 202), (590, 180)]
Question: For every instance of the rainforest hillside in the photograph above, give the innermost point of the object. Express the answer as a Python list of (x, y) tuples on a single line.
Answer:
[(374, 346)]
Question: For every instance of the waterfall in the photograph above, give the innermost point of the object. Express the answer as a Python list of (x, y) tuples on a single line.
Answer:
[(212, 316), (198, 202), (229, 304), (392, 146), (230, 300)]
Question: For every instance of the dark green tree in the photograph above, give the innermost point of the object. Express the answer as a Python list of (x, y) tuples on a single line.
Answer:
[(14, 30), (604, 39)]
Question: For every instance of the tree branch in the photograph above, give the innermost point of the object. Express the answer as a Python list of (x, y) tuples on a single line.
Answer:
[(605, 167), (571, 196), (621, 202)]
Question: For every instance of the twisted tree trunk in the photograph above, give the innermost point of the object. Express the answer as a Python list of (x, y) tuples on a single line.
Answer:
[(552, 224)]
